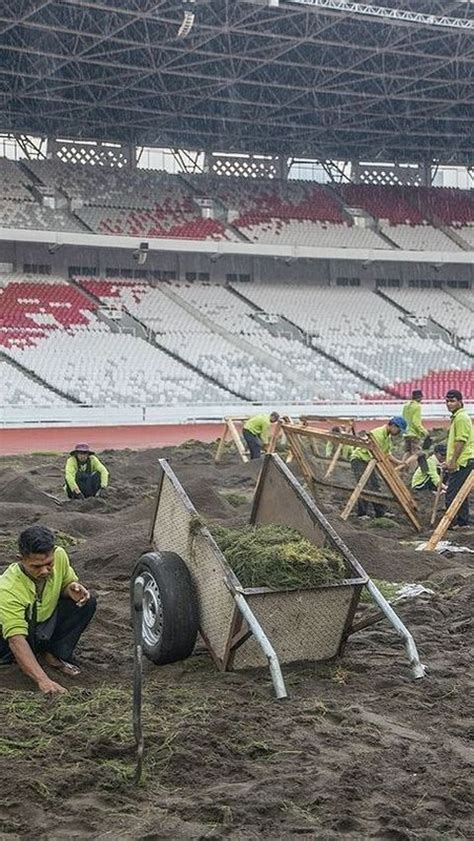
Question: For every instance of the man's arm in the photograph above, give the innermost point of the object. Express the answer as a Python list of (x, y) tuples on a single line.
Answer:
[(433, 473), (457, 450), (417, 424), (21, 650), (101, 470), (70, 474)]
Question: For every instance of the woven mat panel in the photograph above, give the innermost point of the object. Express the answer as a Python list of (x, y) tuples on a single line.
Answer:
[(304, 625)]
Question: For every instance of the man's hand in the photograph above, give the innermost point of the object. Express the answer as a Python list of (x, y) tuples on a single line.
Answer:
[(102, 492), (451, 466), (77, 592), (50, 687)]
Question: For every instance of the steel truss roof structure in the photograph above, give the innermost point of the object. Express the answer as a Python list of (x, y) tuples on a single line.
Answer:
[(243, 76)]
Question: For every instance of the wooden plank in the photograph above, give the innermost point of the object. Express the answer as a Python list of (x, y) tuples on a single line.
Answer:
[(370, 496), (451, 512), (237, 439), (335, 437), (334, 460), (221, 445), (300, 456), (437, 498), (400, 492), (358, 488)]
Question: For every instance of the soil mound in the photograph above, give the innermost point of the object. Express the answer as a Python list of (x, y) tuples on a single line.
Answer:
[(360, 750), (19, 488)]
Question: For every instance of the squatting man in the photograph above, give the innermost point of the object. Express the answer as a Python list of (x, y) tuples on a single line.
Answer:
[(44, 609), (85, 474)]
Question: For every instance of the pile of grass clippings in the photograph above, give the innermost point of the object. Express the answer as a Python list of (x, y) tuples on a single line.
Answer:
[(278, 557)]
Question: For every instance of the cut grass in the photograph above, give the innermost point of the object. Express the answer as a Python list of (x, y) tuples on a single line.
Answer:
[(381, 523), (66, 540), (278, 557), (95, 728), (235, 499), (389, 590)]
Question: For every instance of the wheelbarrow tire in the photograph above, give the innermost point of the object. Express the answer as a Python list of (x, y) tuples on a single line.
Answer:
[(170, 607)]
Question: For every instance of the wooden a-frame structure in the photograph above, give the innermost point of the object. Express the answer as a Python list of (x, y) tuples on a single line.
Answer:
[(231, 433), (466, 488), (379, 461)]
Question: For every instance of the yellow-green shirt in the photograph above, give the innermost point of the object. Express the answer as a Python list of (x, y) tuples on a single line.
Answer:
[(96, 466), (259, 425), (460, 429), (18, 593), (412, 414), (383, 439), (419, 477), (345, 452)]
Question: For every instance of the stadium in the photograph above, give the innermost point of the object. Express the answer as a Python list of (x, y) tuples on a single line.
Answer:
[(215, 210)]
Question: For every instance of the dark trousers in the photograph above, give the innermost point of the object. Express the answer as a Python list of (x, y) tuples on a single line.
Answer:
[(358, 468), (253, 443), (455, 482), (60, 633), (89, 484), (426, 486)]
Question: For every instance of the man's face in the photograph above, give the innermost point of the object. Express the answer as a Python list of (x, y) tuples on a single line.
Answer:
[(453, 404), (394, 430), (38, 566), (82, 457)]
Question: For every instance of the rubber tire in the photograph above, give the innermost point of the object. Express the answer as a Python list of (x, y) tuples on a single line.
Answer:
[(179, 605)]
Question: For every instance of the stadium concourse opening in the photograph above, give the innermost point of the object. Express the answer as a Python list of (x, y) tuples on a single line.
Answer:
[(222, 210)]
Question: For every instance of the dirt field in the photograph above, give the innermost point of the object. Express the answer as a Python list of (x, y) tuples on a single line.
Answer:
[(360, 751)]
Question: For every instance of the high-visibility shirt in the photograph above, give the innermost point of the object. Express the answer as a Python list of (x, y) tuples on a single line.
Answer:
[(383, 439), (412, 414), (92, 465), (18, 593), (461, 430), (331, 449), (419, 477), (260, 426)]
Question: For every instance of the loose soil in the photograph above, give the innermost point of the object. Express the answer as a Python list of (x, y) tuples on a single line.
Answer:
[(360, 751)]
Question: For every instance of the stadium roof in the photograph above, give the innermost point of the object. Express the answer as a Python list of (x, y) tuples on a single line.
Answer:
[(327, 83)]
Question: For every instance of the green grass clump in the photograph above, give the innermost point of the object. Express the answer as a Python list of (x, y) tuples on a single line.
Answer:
[(66, 540), (388, 589), (381, 523), (278, 557), (235, 499)]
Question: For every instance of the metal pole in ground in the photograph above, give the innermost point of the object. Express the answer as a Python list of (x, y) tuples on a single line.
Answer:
[(138, 673)]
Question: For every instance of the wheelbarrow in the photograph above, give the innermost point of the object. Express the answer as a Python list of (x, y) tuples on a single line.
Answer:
[(189, 588)]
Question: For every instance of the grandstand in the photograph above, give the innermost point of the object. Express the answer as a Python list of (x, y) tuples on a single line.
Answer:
[(233, 280)]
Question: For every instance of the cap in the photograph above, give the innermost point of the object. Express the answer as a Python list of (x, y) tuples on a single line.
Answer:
[(454, 394), (82, 448), (417, 394), (397, 420)]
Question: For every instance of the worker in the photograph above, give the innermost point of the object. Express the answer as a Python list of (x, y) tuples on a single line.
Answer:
[(416, 437), (256, 431), (331, 446), (85, 474), (383, 435), (428, 480), (460, 454), (43, 609)]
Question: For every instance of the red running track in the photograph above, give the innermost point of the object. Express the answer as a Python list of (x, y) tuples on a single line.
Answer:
[(62, 439)]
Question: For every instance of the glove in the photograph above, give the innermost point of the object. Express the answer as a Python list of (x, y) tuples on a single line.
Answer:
[(427, 442)]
